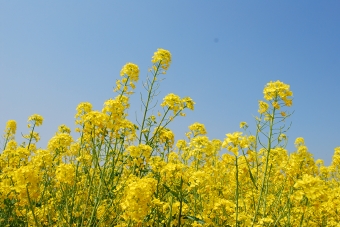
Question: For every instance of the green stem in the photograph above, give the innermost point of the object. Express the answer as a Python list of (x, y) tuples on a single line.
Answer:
[(31, 207), (266, 167), (148, 100), (180, 204), (237, 192)]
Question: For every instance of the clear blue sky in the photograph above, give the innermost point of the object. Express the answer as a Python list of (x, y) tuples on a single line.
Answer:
[(55, 54)]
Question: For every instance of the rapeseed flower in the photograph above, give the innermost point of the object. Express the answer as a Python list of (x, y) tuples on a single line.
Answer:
[(163, 57), (263, 107), (11, 127), (37, 119), (173, 102), (111, 177), (188, 102), (131, 70), (275, 89), (243, 124), (198, 129), (83, 108)]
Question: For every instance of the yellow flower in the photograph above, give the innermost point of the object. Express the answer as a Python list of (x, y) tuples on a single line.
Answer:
[(282, 137), (173, 102), (11, 127), (96, 118), (163, 57), (65, 173), (83, 108), (263, 107), (138, 198), (243, 124), (299, 142), (288, 102), (141, 149), (311, 187), (235, 140), (275, 89), (64, 129), (33, 135), (180, 144), (198, 129), (165, 135), (131, 70), (276, 105), (336, 157), (60, 141), (37, 119), (188, 102)]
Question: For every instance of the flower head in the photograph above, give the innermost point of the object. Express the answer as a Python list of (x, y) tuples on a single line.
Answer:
[(11, 127), (276, 89), (83, 108), (188, 102), (198, 129), (173, 102), (299, 141), (263, 107), (243, 124), (37, 119), (131, 70), (163, 57)]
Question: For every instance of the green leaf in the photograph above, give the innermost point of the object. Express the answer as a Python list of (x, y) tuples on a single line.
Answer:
[(200, 221), (252, 178), (172, 192), (175, 194)]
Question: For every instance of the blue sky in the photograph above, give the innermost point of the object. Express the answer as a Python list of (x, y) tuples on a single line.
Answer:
[(56, 54)]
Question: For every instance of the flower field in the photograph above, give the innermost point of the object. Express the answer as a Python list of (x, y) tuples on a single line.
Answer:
[(123, 173)]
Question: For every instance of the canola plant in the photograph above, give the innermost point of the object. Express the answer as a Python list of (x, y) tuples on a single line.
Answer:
[(121, 173)]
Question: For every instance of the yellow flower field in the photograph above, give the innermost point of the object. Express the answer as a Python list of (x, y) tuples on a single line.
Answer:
[(123, 173)]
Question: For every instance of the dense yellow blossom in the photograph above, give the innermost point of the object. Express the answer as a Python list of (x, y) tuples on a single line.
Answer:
[(138, 198), (131, 70), (11, 127), (65, 173), (173, 102), (163, 57), (176, 104), (83, 108), (64, 129), (188, 102), (36, 119), (110, 176), (198, 129), (277, 88), (60, 141)]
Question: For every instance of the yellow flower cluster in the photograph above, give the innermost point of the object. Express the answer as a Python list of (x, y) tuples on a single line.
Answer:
[(163, 57), (11, 127), (263, 107), (198, 129), (278, 94), (137, 199), (36, 119), (234, 141), (131, 70), (277, 88), (130, 74), (117, 173), (176, 104)]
